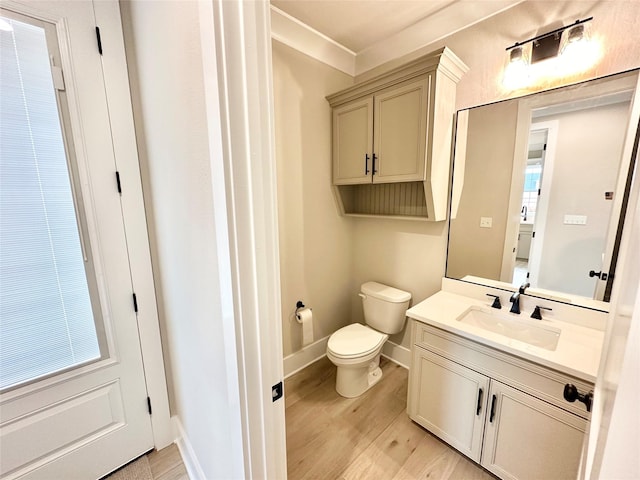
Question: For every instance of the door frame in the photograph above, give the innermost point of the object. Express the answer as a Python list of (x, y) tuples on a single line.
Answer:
[(540, 222), (236, 48)]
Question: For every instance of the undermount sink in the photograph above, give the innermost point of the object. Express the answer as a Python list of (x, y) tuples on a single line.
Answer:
[(523, 330)]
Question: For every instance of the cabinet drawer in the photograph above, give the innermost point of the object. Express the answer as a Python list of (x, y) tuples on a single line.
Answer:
[(539, 381)]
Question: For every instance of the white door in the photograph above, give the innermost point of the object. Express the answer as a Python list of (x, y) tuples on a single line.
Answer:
[(73, 401)]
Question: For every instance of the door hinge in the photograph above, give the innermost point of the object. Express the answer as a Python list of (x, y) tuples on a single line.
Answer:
[(135, 303), (118, 184), (545, 147), (99, 39), (149, 405), (533, 234)]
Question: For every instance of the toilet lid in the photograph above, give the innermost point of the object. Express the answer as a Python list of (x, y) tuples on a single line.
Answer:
[(355, 340)]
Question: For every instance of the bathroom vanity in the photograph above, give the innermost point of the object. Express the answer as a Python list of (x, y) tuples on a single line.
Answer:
[(492, 384)]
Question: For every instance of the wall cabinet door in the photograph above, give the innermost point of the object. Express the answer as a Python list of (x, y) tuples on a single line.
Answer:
[(526, 438), (400, 133), (390, 126), (449, 400), (352, 142)]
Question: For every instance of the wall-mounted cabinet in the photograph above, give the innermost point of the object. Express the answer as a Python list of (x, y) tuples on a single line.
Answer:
[(507, 414), (392, 140)]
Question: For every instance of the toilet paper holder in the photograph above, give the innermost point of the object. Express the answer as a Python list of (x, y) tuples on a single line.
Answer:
[(299, 305)]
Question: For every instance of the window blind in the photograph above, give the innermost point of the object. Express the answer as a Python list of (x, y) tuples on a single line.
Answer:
[(46, 318)]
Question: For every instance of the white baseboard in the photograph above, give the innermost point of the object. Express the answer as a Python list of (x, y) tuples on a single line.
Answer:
[(194, 471), (397, 354), (298, 360)]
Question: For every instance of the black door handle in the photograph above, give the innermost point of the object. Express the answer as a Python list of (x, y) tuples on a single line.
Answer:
[(373, 164), (600, 275), (366, 164), (571, 394), (479, 402)]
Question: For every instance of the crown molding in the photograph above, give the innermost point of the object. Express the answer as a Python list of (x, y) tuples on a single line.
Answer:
[(299, 36), (419, 36), (452, 19)]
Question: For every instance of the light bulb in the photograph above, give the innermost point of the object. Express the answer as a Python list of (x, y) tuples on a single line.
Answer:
[(578, 51), (516, 73)]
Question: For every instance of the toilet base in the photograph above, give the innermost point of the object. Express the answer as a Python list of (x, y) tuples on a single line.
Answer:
[(353, 382)]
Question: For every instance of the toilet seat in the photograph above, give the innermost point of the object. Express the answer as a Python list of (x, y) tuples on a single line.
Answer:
[(355, 340)]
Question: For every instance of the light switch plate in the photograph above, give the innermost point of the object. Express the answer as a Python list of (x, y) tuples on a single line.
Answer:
[(486, 222), (575, 219)]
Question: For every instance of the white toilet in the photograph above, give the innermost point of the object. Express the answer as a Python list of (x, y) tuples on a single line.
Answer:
[(355, 349)]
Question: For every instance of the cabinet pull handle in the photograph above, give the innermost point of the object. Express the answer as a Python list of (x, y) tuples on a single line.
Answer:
[(366, 164), (493, 409), (479, 402), (373, 164)]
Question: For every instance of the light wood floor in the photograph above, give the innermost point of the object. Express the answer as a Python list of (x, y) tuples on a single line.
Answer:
[(369, 437), (166, 464)]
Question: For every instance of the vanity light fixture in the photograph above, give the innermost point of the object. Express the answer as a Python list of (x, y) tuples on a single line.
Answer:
[(566, 49)]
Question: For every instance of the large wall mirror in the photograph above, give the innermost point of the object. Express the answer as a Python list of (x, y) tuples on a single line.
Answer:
[(539, 187)]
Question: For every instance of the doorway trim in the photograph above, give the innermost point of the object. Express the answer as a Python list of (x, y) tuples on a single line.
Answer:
[(236, 56)]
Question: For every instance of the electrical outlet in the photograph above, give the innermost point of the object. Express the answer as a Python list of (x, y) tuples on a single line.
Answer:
[(486, 222)]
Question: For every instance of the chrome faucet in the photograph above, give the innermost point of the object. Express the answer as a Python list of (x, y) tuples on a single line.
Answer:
[(515, 298)]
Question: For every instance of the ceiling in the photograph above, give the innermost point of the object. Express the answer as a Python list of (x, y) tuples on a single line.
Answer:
[(361, 24)]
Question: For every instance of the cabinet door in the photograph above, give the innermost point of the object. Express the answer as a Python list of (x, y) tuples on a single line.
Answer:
[(400, 133), (526, 438), (352, 142), (449, 400)]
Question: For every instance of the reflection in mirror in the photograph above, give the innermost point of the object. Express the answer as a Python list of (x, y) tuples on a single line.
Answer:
[(539, 187)]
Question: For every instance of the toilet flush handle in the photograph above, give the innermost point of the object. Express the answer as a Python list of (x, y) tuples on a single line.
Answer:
[(362, 295)]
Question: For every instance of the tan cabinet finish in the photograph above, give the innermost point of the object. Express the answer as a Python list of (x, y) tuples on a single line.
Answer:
[(400, 132), (397, 129), (353, 142), (519, 428)]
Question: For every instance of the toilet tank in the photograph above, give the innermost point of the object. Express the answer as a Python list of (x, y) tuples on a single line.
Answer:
[(385, 308)]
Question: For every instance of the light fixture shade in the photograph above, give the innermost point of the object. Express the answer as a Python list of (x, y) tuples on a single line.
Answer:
[(516, 72), (577, 51)]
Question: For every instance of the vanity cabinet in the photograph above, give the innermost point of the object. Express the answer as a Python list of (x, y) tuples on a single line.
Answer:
[(501, 411), (391, 140), (382, 138)]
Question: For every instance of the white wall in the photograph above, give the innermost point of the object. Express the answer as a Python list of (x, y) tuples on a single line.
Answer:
[(315, 242), (165, 63), (587, 163)]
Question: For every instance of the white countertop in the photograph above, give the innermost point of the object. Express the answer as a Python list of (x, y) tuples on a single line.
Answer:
[(577, 353)]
